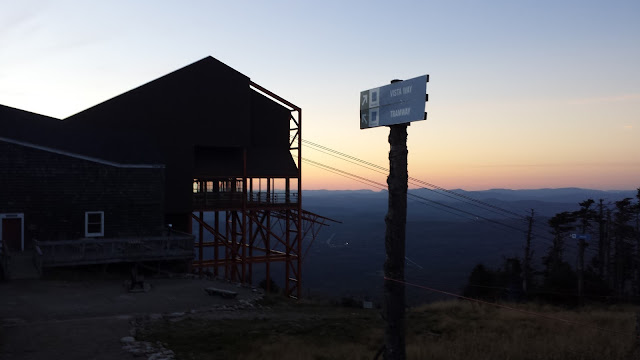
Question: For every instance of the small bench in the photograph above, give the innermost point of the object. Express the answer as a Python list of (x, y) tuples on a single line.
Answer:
[(227, 294)]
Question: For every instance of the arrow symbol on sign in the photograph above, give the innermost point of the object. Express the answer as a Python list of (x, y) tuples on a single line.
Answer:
[(364, 119), (364, 99)]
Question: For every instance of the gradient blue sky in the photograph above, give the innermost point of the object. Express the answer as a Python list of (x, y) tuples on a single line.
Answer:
[(523, 94)]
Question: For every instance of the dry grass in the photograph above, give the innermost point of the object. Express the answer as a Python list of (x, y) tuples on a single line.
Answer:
[(460, 330), (445, 330)]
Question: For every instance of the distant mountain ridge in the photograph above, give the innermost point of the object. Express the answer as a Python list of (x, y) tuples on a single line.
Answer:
[(549, 194), (437, 205), (554, 195), (447, 235)]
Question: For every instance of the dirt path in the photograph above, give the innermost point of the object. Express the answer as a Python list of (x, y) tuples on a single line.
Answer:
[(46, 319)]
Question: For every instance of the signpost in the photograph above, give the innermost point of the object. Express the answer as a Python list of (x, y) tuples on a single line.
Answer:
[(395, 105)]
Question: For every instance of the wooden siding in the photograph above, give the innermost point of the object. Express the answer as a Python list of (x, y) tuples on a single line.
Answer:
[(54, 191), (205, 103)]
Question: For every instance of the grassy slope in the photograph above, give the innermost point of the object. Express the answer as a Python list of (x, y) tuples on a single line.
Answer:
[(447, 330)]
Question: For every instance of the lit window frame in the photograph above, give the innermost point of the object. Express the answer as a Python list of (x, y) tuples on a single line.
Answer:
[(86, 224)]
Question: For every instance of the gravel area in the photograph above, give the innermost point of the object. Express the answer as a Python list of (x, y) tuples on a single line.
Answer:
[(94, 319)]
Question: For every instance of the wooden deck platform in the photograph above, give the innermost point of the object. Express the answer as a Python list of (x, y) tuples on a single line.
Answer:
[(89, 251)]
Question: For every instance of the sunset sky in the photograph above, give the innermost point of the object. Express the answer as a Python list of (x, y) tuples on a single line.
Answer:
[(522, 94)]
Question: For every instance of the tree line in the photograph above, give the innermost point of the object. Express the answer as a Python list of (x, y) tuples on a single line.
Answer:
[(606, 269)]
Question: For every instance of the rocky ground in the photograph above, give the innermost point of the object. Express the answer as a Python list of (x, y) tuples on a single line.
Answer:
[(97, 318)]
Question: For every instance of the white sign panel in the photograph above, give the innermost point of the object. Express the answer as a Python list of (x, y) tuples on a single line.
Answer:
[(396, 103)]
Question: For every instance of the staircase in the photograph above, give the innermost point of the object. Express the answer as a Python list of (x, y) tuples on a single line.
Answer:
[(21, 266)]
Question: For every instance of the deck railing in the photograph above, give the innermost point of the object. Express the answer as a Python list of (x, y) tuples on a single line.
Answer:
[(234, 199), (86, 251)]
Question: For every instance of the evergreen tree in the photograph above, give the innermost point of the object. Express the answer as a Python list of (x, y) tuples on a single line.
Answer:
[(561, 225), (624, 244), (636, 210), (558, 275), (600, 261), (482, 284), (584, 216)]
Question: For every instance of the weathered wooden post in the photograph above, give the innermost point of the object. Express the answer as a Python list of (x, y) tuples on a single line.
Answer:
[(395, 105), (394, 242), (637, 335)]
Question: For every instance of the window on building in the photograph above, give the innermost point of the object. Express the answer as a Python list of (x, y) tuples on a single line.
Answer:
[(93, 223)]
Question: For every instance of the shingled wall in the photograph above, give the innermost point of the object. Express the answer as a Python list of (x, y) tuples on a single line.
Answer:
[(54, 190)]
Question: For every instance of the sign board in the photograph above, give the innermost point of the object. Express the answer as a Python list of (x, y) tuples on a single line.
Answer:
[(396, 103)]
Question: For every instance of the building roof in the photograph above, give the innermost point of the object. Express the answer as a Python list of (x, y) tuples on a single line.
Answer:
[(29, 127), (75, 155), (40, 130), (206, 104)]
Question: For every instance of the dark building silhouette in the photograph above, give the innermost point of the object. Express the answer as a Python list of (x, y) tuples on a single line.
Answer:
[(203, 138)]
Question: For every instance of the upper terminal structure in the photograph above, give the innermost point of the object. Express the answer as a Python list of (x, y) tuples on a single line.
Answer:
[(201, 158)]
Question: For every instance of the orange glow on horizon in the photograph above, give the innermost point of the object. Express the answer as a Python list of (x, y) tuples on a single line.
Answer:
[(475, 179)]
